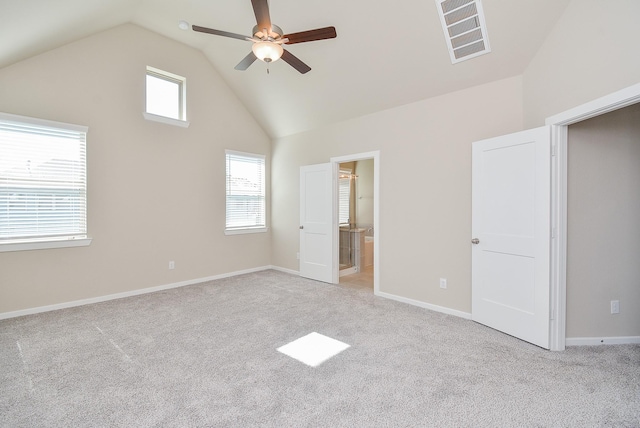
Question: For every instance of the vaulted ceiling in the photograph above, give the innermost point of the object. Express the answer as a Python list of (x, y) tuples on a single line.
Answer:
[(387, 53)]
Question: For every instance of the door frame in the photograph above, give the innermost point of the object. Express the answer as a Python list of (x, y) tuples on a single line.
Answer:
[(335, 162), (559, 165)]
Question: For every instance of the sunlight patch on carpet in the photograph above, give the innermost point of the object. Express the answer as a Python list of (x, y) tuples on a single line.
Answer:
[(313, 349)]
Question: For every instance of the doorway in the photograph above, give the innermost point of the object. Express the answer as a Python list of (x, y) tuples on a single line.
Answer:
[(559, 126), (603, 235), (356, 249), (557, 280)]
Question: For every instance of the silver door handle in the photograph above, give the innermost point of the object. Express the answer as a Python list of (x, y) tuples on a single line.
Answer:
[(301, 227), (475, 241)]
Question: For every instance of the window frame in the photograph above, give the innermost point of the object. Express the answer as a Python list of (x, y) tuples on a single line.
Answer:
[(50, 242), (246, 229), (182, 98), (344, 174)]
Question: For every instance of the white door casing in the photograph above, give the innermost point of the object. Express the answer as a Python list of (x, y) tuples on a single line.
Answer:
[(511, 220), (316, 222), (559, 132)]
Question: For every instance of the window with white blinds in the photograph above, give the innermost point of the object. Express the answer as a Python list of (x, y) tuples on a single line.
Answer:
[(43, 180), (344, 196), (245, 191)]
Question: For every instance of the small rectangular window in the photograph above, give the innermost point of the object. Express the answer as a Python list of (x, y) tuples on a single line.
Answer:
[(43, 181), (245, 185), (165, 97)]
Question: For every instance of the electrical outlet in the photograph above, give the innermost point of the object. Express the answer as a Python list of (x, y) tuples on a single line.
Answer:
[(615, 306), (172, 264), (443, 282), (298, 256)]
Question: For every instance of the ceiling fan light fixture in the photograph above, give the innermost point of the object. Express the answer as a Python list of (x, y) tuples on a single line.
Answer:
[(267, 51)]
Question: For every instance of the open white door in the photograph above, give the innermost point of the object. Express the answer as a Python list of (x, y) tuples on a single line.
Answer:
[(316, 222), (511, 234)]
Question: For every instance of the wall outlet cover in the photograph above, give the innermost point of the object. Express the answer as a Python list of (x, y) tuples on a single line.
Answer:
[(615, 306)]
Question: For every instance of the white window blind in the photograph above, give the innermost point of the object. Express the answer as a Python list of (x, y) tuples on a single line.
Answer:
[(344, 196), (43, 180), (245, 191)]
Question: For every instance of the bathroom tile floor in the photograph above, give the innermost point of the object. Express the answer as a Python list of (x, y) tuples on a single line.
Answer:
[(363, 279)]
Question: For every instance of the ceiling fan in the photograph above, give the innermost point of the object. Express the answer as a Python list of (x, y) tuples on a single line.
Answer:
[(268, 39)]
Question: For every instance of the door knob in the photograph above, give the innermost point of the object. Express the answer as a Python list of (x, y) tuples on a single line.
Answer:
[(475, 241), (301, 227)]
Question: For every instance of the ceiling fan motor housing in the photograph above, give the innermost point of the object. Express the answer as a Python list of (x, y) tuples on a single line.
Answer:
[(274, 34)]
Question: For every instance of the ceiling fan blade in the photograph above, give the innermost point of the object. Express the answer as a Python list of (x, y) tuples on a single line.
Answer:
[(246, 62), (261, 9), (219, 33), (311, 35), (294, 62)]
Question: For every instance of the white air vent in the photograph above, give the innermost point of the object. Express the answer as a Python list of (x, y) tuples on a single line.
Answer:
[(464, 28)]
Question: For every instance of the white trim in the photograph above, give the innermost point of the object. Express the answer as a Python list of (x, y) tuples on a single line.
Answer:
[(43, 122), (256, 228), (595, 341), (285, 270), (182, 101), (78, 239), (44, 245), (614, 101), (246, 230), (559, 139), (166, 120), (558, 253), (92, 300), (375, 155), (424, 305), (100, 299), (245, 154)]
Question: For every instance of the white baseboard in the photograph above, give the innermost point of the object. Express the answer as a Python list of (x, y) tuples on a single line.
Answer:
[(424, 305), (413, 302), (592, 341), (285, 270), (40, 309)]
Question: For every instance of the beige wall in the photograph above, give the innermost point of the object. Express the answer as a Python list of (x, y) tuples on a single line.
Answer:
[(603, 251), (155, 192), (425, 185), (591, 52)]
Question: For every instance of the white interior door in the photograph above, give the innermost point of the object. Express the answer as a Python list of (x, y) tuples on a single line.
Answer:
[(511, 226), (316, 222)]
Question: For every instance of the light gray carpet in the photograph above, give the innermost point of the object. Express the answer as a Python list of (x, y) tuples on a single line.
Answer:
[(205, 355)]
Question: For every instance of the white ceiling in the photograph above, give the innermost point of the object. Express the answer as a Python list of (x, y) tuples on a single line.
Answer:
[(387, 53)]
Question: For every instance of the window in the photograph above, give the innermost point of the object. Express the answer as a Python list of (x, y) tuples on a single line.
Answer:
[(43, 183), (344, 196), (165, 97), (245, 193)]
